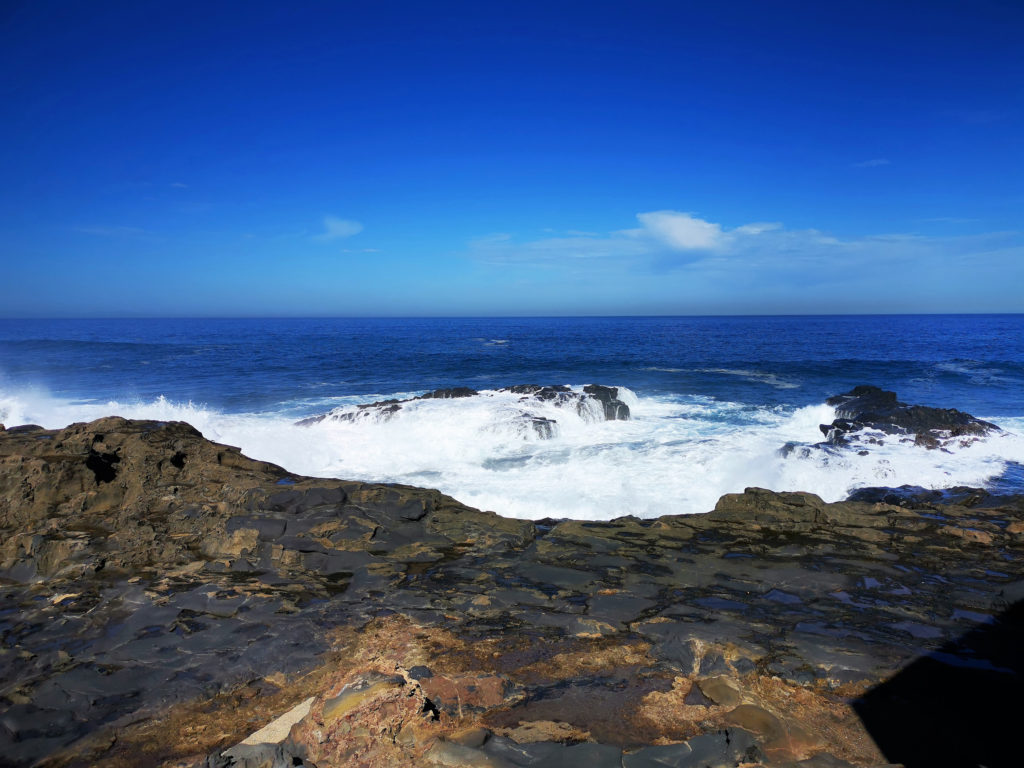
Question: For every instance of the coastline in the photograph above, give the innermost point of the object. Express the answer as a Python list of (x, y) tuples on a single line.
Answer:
[(490, 386), (152, 577)]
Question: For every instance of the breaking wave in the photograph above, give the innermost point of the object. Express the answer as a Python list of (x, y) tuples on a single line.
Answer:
[(676, 455)]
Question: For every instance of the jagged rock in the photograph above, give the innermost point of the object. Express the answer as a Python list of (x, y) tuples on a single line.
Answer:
[(868, 407)]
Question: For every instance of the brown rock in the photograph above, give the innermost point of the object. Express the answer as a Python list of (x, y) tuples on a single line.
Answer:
[(720, 690), (967, 534), (457, 693), (545, 730), (761, 722)]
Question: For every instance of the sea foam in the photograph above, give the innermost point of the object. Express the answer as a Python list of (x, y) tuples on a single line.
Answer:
[(676, 455)]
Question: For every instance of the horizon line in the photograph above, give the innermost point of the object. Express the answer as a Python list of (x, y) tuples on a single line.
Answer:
[(504, 317)]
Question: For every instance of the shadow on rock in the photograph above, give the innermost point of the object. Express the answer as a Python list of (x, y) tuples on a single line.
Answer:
[(958, 706)]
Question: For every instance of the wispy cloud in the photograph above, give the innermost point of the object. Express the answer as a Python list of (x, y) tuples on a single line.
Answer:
[(337, 229), (501, 248), (179, 185), (874, 162), (757, 228)]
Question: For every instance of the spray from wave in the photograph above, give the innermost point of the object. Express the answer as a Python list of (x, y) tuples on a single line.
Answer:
[(676, 455)]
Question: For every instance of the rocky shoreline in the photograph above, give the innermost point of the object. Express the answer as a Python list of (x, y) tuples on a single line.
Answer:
[(163, 598)]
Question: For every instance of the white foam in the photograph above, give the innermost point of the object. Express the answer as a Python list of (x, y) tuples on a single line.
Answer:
[(628, 396), (676, 455), (975, 372), (759, 377)]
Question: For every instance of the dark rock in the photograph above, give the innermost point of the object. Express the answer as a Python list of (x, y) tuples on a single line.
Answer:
[(553, 755), (609, 398), (24, 429), (868, 416), (259, 756), (724, 749), (868, 406), (448, 394), (102, 465), (562, 396), (543, 427), (382, 410), (791, 449), (916, 497), (547, 393)]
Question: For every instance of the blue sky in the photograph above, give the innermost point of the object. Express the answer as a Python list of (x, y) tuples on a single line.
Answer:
[(552, 158)]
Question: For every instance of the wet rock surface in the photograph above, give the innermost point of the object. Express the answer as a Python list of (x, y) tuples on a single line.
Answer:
[(164, 598)]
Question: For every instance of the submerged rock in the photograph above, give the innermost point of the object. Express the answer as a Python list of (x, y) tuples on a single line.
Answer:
[(165, 609)]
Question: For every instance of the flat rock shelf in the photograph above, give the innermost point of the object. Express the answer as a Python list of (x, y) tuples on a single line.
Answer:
[(164, 599)]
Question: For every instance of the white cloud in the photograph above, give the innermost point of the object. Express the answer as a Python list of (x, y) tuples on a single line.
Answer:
[(337, 229), (872, 163), (757, 228), (679, 231), (665, 231), (179, 185)]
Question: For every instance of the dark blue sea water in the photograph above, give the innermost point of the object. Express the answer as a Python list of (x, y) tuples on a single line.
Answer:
[(715, 398)]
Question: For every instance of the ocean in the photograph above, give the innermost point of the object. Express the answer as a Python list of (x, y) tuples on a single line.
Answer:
[(712, 399)]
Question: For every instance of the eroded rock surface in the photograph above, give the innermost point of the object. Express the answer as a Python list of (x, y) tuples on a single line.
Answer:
[(164, 598)]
